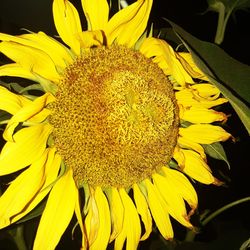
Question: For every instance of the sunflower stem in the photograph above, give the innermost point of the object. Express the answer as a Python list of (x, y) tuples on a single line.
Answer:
[(191, 234), (221, 24), (18, 238)]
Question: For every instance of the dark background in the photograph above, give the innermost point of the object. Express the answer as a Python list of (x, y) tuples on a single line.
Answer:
[(230, 229)]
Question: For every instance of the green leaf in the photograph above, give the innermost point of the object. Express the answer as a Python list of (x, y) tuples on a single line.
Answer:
[(216, 151), (230, 76)]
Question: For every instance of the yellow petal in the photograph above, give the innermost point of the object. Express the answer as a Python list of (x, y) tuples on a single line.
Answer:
[(57, 213), (196, 167), (205, 90), (187, 98), (96, 13), (187, 62), (91, 222), (142, 208), (68, 24), (80, 222), (175, 204), (184, 187), (11, 102), (202, 115), (116, 211), (103, 233), (22, 190), (31, 59), (185, 143), (91, 38), (16, 70), (40, 117), (26, 113), (60, 55), (204, 133), (131, 225), (130, 20), (51, 171), (159, 211), (165, 56), (28, 146)]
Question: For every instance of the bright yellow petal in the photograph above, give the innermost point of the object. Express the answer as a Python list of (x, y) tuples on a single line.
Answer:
[(202, 115), (116, 211), (196, 167), (187, 98), (16, 70), (80, 222), (143, 210), (187, 62), (96, 13), (187, 144), (11, 102), (51, 171), (60, 55), (182, 186), (57, 213), (26, 113), (68, 24), (31, 59), (91, 38), (102, 238), (131, 225), (28, 146), (159, 211), (205, 90), (175, 204), (204, 133), (164, 55), (91, 222), (22, 190), (130, 20)]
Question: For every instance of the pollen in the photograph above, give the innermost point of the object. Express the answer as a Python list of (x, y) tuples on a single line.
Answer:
[(115, 117)]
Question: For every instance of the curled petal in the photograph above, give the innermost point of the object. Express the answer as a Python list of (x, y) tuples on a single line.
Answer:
[(26, 113), (31, 59), (130, 20)]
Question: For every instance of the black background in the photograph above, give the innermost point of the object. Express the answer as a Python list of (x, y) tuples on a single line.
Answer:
[(230, 229)]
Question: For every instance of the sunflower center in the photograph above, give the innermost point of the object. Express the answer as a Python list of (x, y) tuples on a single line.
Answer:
[(115, 117)]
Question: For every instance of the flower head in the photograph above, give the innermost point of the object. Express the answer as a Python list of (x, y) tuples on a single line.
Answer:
[(117, 107)]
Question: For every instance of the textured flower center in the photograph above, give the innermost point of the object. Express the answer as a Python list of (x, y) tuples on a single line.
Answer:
[(115, 117)]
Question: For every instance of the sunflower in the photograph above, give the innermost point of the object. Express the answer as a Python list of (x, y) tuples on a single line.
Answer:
[(121, 120)]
